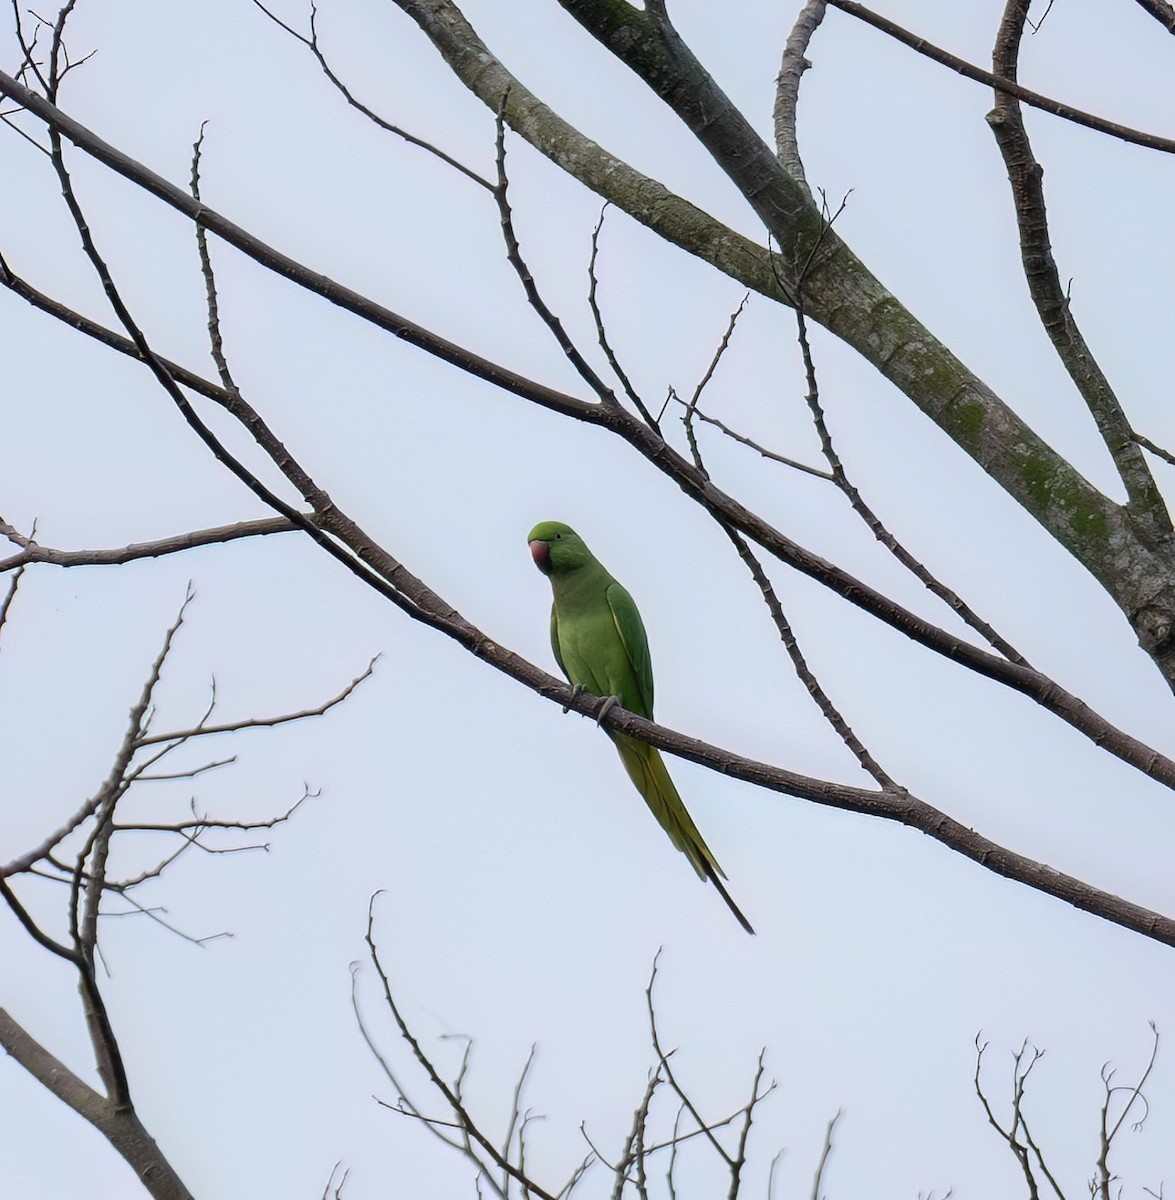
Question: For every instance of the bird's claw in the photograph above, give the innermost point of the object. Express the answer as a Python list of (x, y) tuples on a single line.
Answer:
[(609, 704), (576, 692)]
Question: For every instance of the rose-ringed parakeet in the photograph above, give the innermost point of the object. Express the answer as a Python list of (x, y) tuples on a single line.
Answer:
[(600, 645)]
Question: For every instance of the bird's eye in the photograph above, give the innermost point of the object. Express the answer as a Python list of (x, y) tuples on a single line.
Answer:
[(558, 536)]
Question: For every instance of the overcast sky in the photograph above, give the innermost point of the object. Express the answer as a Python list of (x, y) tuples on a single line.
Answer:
[(526, 889)]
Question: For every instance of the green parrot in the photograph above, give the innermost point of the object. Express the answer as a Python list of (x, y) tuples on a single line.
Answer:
[(600, 645)]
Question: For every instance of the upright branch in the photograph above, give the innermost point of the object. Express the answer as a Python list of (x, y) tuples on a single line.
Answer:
[(825, 1155), (1110, 1127), (1049, 296), (1015, 1132), (787, 87), (602, 332)]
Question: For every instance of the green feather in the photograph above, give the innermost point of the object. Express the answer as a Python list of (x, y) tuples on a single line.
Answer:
[(599, 642)]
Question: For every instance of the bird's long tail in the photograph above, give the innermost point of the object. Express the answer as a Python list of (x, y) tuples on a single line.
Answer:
[(648, 772)]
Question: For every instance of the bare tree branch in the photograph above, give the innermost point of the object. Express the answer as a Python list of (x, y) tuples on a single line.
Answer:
[(1103, 1177), (787, 87), (807, 677), (533, 297), (451, 1095), (825, 1154), (602, 333), (1162, 12), (1044, 285), (33, 552), (1008, 86), (317, 710), (9, 594), (311, 42)]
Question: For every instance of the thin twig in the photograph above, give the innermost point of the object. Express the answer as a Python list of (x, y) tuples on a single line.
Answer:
[(451, 1097), (312, 44), (805, 674), (263, 722), (514, 256), (824, 1156), (840, 477), (602, 333), (692, 404), (670, 1078)]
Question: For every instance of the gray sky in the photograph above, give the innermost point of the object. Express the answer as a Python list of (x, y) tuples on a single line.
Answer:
[(526, 888)]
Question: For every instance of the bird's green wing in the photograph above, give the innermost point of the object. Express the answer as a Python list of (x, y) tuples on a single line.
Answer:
[(555, 643), (636, 645)]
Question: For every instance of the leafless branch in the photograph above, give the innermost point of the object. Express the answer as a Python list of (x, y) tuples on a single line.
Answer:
[(633, 1153), (740, 1155), (692, 404), (1026, 1151), (1100, 1185), (215, 337), (1158, 451), (333, 1189), (1007, 86), (1048, 294), (450, 1094), (1162, 12), (841, 479), (311, 42), (9, 595), (825, 1154), (32, 552), (805, 674), (787, 88), (667, 1070), (318, 710), (751, 444), (602, 333), (516, 1116), (514, 256)]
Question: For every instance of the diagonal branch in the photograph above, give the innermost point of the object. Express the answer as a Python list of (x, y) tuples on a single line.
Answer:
[(311, 42), (806, 675), (534, 298), (840, 478), (452, 1098), (1162, 11), (1001, 84)]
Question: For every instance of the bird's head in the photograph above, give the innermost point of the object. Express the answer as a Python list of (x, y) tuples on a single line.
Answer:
[(556, 548)]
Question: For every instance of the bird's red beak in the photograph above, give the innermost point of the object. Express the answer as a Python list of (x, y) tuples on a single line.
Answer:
[(541, 553)]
